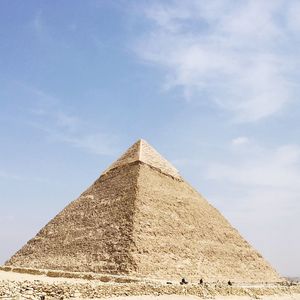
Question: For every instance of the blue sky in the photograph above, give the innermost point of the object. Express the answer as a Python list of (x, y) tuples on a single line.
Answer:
[(212, 85)]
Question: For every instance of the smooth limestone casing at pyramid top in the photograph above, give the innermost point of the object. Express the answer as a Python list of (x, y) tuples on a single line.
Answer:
[(142, 219)]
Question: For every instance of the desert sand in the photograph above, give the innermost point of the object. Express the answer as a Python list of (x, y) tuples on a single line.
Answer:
[(26, 286), (175, 297)]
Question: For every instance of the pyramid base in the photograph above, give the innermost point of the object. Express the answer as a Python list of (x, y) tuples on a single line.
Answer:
[(105, 277)]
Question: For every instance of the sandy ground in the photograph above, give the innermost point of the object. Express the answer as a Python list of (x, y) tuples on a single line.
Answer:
[(22, 277), (174, 297)]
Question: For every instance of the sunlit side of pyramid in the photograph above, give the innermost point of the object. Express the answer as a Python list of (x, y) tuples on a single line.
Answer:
[(141, 218)]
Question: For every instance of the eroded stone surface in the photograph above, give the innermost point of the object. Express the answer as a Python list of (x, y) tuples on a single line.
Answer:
[(178, 234), (140, 218), (14, 286), (143, 152), (93, 233)]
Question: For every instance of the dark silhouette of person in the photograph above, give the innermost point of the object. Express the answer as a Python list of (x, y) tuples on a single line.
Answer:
[(183, 281)]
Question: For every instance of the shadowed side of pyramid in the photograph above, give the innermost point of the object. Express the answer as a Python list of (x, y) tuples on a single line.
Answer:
[(141, 218), (178, 234)]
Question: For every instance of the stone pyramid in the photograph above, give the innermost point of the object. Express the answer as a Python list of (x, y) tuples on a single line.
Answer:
[(142, 219)]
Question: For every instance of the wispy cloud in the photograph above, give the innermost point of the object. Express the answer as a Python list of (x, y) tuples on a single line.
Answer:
[(42, 28), (6, 175), (19, 177), (7, 218), (238, 56), (260, 183), (37, 23), (258, 188), (49, 115), (241, 140), (95, 143), (261, 167), (39, 27)]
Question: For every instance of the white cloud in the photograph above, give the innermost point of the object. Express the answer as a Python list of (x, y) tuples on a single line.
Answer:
[(7, 219), (293, 20), (241, 140), (61, 126), (272, 168), (40, 28), (97, 143), (258, 191), (18, 177), (256, 187), (6, 175), (236, 54), (37, 23)]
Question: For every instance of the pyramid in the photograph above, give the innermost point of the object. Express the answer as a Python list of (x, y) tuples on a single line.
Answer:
[(140, 218)]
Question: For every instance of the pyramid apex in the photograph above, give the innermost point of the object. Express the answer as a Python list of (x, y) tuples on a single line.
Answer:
[(115, 222), (141, 141), (142, 151)]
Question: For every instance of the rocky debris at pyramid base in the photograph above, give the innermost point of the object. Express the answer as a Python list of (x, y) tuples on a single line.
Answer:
[(37, 287), (141, 219)]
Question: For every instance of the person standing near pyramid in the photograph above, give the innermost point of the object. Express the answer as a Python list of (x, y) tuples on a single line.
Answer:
[(142, 219)]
